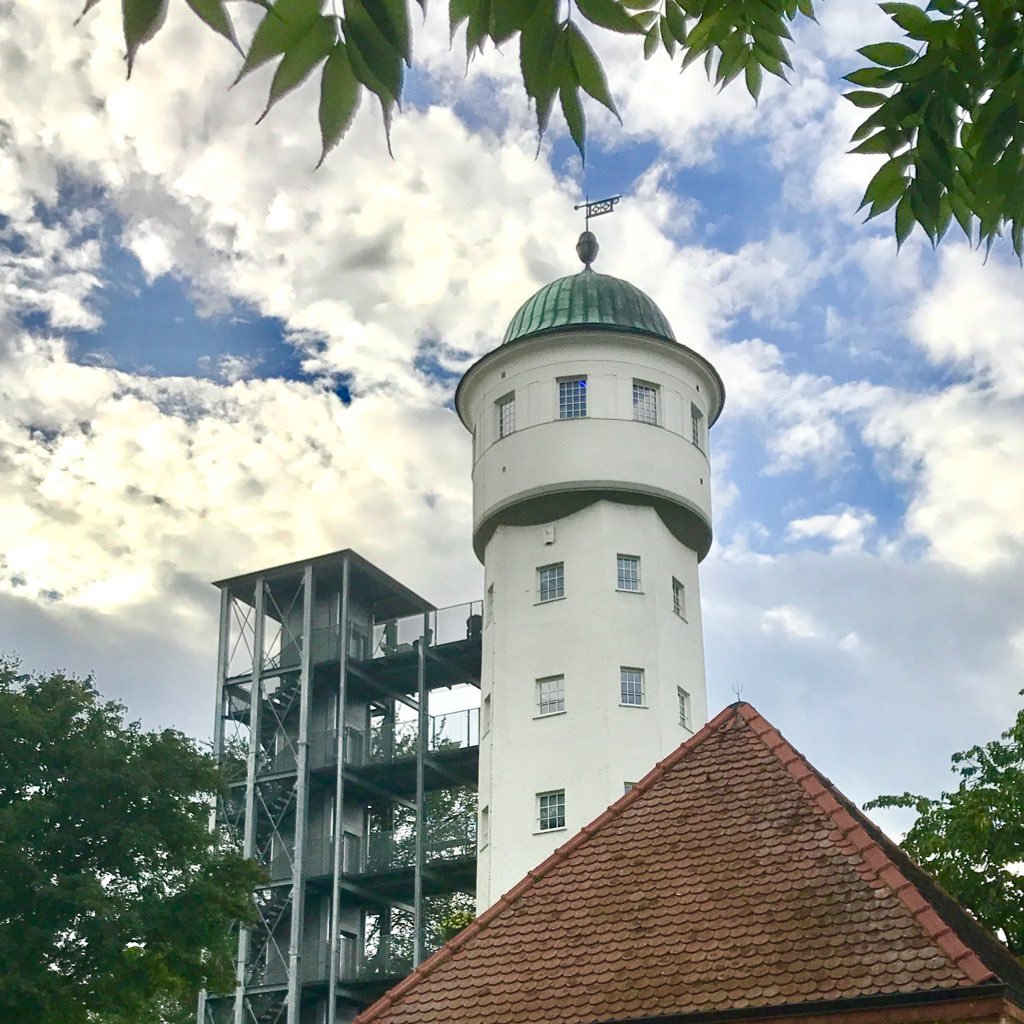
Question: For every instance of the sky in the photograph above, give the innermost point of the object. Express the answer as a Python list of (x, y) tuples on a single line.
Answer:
[(213, 359)]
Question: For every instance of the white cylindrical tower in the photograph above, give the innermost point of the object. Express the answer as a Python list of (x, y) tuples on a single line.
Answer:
[(592, 510)]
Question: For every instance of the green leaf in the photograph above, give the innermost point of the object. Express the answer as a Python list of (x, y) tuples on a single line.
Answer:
[(375, 62), (508, 17), (904, 220), (340, 93), (301, 58), (806, 8), (536, 60), (772, 45), (142, 20), (752, 74), (478, 27), (89, 5), (572, 109), (215, 14), (911, 19), (458, 12), (667, 39), (861, 98), (589, 72), (609, 14), (283, 24), (884, 141), (889, 55), (651, 41), (676, 20), (889, 176), (392, 20), (867, 77)]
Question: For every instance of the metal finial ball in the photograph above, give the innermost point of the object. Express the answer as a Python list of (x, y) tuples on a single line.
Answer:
[(587, 247)]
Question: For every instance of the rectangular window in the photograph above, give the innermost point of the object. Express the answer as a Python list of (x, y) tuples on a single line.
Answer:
[(645, 402), (572, 398), (628, 571), (485, 826), (678, 598), (551, 581), (684, 708), (697, 426), (550, 695), (627, 786), (485, 715), (631, 683), (551, 810), (506, 414)]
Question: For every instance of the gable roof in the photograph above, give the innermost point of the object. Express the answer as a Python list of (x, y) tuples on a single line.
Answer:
[(732, 878)]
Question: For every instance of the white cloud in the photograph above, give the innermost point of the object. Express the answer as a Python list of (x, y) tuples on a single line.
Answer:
[(845, 530)]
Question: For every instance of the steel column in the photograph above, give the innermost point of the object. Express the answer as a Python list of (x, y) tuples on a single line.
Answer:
[(421, 752), (339, 804), (301, 802), (249, 838)]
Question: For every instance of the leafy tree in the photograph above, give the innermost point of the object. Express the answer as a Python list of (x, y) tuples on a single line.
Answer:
[(116, 901), (948, 109), (972, 839)]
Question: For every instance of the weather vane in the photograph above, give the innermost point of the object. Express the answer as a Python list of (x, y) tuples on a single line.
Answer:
[(595, 209)]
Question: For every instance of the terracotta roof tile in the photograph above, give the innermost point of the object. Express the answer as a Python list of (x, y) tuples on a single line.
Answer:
[(732, 876)]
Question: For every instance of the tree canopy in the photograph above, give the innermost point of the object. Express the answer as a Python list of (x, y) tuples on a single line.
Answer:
[(946, 99), (972, 839), (117, 901)]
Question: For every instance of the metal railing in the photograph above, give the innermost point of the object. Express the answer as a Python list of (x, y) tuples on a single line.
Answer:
[(387, 742), (443, 626), (452, 839), (354, 964)]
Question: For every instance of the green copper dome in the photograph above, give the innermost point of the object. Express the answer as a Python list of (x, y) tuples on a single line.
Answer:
[(589, 299)]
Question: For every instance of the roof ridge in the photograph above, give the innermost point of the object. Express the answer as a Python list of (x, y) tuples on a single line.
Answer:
[(724, 718), (857, 830)]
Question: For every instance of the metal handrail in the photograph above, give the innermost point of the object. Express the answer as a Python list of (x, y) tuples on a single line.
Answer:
[(386, 742)]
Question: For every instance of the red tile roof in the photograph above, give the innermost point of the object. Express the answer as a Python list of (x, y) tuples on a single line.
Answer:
[(733, 876)]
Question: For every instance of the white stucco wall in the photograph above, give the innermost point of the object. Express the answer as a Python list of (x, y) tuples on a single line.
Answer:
[(580, 492), (597, 745)]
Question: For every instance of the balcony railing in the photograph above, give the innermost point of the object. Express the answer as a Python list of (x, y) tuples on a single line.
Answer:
[(452, 839), (387, 742), (443, 626), (357, 965)]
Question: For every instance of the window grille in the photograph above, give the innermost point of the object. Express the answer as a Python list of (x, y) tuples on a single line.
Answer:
[(684, 708), (572, 398), (697, 426), (631, 681), (506, 415), (645, 402), (551, 810), (550, 695), (628, 572), (678, 598), (551, 581)]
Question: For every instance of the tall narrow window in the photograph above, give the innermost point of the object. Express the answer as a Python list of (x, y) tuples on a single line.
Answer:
[(551, 695), (678, 598), (551, 810), (645, 402), (485, 715), (697, 426), (572, 398), (684, 708), (506, 408), (631, 686), (628, 572), (485, 826), (551, 581)]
